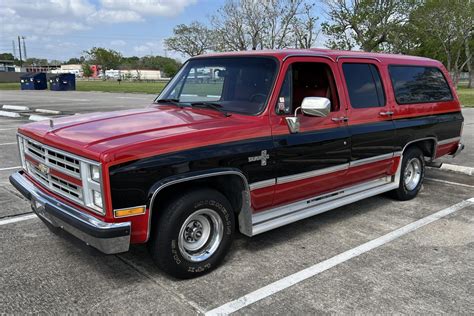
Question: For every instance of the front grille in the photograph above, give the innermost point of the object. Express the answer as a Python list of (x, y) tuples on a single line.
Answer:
[(63, 173), (53, 158)]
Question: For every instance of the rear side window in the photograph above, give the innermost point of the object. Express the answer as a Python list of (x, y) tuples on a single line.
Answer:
[(414, 84), (364, 85)]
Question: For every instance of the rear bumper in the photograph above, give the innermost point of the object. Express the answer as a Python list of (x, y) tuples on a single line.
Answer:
[(458, 150), (107, 237)]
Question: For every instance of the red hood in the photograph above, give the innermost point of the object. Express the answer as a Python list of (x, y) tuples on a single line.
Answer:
[(118, 135)]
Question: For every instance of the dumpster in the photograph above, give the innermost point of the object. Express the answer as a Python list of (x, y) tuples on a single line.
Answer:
[(34, 81), (63, 82)]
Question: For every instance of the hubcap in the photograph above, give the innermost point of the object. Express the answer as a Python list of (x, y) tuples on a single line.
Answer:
[(412, 174), (200, 235)]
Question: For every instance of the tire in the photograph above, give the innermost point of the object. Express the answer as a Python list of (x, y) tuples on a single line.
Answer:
[(411, 175), (193, 234)]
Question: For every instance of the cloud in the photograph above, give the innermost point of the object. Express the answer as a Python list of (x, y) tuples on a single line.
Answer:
[(118, 43), (114, 16), (148, 48), (149, 7)]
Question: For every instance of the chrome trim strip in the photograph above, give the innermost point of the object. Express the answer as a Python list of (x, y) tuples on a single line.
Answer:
[(262, 184), (365, 161), (290, 213), (311, 174), (449, 140)]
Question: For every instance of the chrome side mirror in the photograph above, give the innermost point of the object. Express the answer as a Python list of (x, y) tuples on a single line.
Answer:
[(316, 106)]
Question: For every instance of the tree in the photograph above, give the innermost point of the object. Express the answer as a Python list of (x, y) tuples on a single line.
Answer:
[(192, 40), (7, 56), (87, 70), (75, 61), (444, 29), (36, 62), (367, 24), (106, 58)]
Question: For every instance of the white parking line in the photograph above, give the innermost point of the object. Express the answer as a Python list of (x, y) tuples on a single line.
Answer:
[(3, 144), (449, 182), (8, 129), (16, 219), (10, 168), (302, 275)]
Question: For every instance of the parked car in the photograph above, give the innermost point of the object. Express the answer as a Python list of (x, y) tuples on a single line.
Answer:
[(281, 136)]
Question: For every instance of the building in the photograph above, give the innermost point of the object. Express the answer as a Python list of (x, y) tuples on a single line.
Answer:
[(7, 66)]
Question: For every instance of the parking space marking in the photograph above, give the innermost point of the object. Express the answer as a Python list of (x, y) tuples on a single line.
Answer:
[(16, 219), (12, 143), (10, 168), (449, 182), (8, 129), (302, 275)]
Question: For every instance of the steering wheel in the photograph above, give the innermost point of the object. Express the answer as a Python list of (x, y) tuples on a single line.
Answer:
[(255, 95)]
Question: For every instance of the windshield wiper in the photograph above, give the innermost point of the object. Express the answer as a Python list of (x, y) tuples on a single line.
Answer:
[(171, 101), (211, 105)]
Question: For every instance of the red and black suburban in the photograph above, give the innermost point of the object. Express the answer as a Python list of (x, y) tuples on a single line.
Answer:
[(246, 141)]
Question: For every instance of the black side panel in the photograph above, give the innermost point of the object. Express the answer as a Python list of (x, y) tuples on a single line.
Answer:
[(131, 182), (373, 139), (310, 151)]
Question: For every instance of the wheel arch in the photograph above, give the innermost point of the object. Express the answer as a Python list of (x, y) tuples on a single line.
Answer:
[(228, 181), (428, 146)]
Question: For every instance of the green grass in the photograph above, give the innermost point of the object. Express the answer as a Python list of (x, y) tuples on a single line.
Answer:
[(9, 86), (466, 96)]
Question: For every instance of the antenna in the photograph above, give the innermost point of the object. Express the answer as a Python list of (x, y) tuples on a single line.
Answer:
[(24, 47)]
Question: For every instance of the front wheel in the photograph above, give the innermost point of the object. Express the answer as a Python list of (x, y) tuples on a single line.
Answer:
[(193, 234), (412, 174)]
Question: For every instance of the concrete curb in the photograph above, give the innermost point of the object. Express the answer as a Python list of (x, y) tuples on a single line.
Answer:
[(15, 107), (9, 114), (46, 111), (458, 169), (37, 118)]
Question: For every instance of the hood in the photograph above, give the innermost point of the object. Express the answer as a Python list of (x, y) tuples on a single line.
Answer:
[(93, 134)]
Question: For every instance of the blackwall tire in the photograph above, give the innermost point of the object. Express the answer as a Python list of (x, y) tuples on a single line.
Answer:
[(411, 175), (193, 234)]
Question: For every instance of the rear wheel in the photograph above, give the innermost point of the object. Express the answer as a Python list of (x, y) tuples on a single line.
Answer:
[(412, 174), (194, 233)]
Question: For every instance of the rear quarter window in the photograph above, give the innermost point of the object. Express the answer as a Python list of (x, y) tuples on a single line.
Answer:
[(364, 85), (417, 84)]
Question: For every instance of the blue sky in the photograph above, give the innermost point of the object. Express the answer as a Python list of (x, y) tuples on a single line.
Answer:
[(60, 29)]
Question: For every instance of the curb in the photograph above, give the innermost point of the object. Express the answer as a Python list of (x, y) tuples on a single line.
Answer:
[(457, 169), (37, 118), (15, 107), (46, 111), (9, 114)]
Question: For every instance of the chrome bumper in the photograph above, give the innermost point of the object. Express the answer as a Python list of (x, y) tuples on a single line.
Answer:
[(458, 150), (107, 237)]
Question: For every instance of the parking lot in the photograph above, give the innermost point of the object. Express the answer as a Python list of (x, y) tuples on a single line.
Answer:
[(374, 256)]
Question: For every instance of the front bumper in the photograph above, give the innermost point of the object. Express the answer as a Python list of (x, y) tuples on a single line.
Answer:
[(107, 237)]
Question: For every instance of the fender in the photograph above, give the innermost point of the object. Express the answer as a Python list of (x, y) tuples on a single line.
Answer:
[(245, 214)]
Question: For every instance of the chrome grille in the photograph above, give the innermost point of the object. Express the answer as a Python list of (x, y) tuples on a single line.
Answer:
[(54, 158)]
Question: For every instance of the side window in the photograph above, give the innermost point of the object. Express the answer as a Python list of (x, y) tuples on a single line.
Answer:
[(414, 84), (306, 80), (364, 85)]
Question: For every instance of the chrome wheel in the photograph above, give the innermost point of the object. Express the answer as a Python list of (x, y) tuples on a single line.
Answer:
[(412, 174), (200, 235)]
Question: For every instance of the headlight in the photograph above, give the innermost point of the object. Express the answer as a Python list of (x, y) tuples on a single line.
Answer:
[(97, 196), (95, 173)]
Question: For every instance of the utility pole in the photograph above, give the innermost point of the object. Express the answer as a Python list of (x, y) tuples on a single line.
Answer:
[(19, 48), (24, 47), (14, 49)]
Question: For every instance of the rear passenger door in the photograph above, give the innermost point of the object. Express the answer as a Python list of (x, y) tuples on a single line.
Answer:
[(370, 119)]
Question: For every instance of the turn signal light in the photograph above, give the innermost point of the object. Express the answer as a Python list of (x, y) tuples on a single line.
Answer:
[(130, 211)]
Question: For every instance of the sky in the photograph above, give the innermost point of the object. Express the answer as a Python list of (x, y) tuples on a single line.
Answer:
[(61, 29)]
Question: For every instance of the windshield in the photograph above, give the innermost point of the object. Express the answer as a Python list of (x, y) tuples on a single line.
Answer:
[(235, 84)]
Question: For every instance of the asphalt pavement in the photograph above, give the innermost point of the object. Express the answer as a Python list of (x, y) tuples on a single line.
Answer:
[(428, 269)]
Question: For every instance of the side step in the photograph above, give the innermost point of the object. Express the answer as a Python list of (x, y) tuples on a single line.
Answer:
[(283, 215)]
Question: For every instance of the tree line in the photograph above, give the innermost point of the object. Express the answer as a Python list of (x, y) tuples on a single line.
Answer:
[(439, 29)]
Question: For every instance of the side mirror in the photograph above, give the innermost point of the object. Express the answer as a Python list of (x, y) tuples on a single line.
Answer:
[(313, 106), (316, 106)]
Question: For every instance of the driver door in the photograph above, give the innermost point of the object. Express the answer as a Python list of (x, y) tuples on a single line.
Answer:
[(315, 160)]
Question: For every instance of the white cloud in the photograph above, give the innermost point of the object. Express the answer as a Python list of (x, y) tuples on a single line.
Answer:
[(118, 43), (114, 16), (149, 7), (149, 48)]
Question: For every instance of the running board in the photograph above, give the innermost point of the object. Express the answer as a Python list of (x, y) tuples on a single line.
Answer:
[(283, 215)]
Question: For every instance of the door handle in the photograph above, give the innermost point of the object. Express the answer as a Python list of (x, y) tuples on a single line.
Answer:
[(340, 119), (388, 113)]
